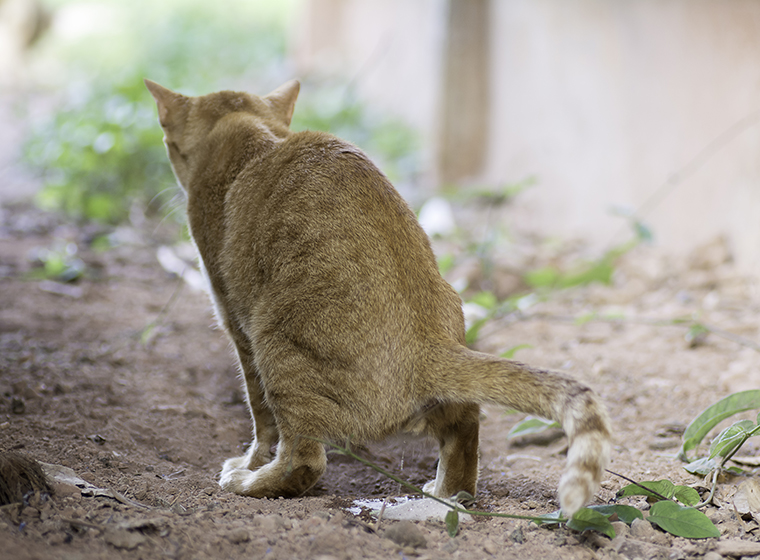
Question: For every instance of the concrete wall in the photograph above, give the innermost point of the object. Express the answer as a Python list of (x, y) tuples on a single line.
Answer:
[(602, 100)]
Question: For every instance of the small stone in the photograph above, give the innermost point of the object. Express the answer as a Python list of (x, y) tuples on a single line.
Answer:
[(517, 535), (406, 533), (621, 529), (18, 406), (632, 548), (63, 489), (531, 504), (712, 556), (641, 528), (239, 535), (735, 547), (328, 542), (451, 546), (269, 523), (56, 539), (121, 538), (209, 491), (490, 547)]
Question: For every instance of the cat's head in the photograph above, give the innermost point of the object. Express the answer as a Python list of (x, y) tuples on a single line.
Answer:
[(187, 121)]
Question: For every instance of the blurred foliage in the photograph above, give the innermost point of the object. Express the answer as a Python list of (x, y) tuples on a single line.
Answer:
[(101, 153), (333, 108)]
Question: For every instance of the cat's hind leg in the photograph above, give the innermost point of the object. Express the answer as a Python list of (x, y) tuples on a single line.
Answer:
[(456, 427), (297, 466)]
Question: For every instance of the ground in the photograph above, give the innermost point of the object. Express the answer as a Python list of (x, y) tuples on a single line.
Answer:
[(122, 377)]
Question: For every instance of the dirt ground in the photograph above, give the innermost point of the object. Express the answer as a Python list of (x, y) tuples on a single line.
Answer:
[(121, 377)]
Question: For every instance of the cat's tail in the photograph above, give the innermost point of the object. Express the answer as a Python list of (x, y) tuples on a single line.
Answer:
[(464, 375)]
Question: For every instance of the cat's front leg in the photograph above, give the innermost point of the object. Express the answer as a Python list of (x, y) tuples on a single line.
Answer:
[(298, 465)]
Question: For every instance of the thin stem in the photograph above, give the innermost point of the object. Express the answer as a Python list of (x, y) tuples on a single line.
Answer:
[(454, 506), (657, 494), (709, 498)]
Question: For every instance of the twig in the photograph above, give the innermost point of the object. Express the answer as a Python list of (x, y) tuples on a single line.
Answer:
[(717, 470), (454, 506), (657, 494)]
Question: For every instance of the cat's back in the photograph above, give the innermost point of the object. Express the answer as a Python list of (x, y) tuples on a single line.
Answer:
[(316, 187), (317, 219)]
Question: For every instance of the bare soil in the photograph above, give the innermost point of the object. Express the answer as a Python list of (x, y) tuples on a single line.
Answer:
[(122, 377)]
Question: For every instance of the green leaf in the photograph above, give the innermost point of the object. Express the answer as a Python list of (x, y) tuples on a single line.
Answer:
[(643, 232), (682, 521), (452, 523), (472, 333), (624, 513), (586, 519), (687, 495), (486, 300), (585, 318), (464, 497), (552, 518), (662, 487), (702, 466), (445, 263), (730, 439), (509, 354), (713, 415), (545, 277), (696, 334), (531, 425)]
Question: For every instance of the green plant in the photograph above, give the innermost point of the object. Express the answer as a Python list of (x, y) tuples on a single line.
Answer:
[(593, 518), (674, 508), (101, 154), (58, 262), (332, 108), (678, 520), (727, 442)]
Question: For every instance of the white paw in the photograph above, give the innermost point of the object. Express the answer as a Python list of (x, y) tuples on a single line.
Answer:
[(237, 481), (235, 463), (429, 487)]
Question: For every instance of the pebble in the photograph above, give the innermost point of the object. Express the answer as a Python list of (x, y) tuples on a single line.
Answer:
[(490, 547), (239, 535), (451, 546), (270, 523), (517, 536), (632, 548), (406, 533), (712, 556), (121, 538), (641, 528), (621, 529), (738, 548)]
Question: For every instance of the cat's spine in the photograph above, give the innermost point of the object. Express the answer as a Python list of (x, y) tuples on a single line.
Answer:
[(463, 375)]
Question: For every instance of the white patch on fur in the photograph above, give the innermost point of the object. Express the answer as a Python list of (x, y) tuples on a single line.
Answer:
[(577, 485)]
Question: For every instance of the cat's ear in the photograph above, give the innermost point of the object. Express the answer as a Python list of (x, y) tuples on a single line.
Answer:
[(283, 99), (166, 100)]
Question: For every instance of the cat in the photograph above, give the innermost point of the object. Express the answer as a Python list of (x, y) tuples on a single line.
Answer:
[(328, 288)]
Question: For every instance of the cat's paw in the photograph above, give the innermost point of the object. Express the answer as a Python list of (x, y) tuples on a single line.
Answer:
[(235, 463), (238, 481), (429, 487)]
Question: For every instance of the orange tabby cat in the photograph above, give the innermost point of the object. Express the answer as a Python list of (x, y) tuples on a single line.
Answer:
[(328, 288)]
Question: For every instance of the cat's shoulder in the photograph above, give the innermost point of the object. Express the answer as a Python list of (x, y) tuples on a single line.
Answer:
[(313, 141)]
